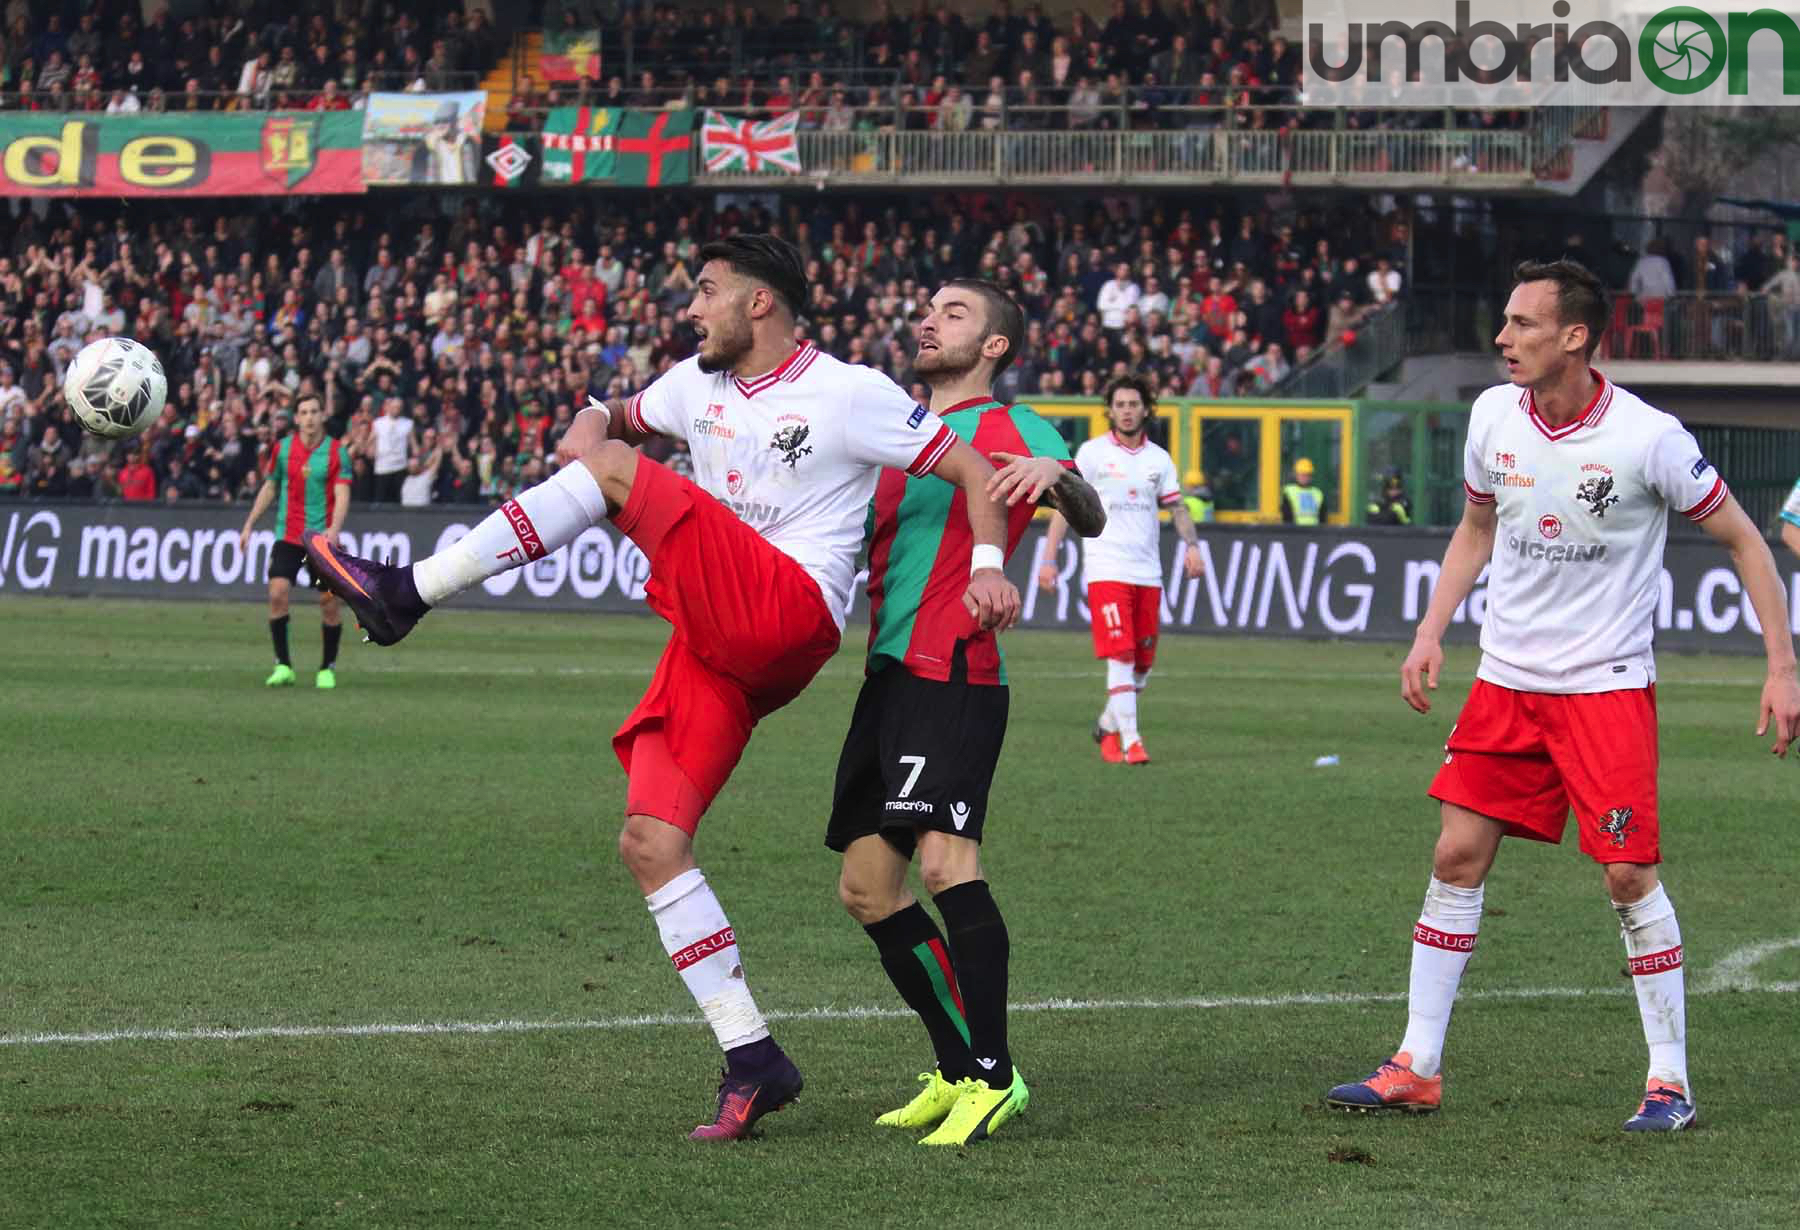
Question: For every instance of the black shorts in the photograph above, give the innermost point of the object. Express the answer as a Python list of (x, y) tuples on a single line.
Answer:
[(286, 560), (919, 755)]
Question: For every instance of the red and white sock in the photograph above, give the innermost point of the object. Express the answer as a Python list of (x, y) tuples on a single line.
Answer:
[(1443, 942), (540, 520), (1653, 946), (1139, 679), (1121, 702), (704, 948)]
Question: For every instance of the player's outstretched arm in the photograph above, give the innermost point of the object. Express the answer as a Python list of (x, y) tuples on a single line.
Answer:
[(1471, 547), (1755, 564), (1053, 540), (340, 511), (1046, 481), (990, 598)]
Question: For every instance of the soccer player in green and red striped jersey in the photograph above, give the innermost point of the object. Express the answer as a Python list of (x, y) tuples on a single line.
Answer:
[(306, 479), (923, 741)]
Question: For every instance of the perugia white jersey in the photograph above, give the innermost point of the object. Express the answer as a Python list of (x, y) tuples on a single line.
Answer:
[(795, 453), (1583, 516), (1133, 483)]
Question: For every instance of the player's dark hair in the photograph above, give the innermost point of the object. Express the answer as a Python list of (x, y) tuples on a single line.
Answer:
[(1004, 315), (1131, 380), (768, 259), (1581, 297), (303, 398)]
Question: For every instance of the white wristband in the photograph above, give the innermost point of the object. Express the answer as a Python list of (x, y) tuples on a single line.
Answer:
[(985, 556), (596, 404)]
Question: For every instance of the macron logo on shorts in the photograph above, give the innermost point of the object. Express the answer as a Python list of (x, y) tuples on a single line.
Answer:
[(1656, 962), (699, 950), (525, 530), (1442, 939)]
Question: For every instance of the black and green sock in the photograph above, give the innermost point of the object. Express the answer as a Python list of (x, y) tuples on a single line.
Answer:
[(918, 964), (333, 634), (278, 634), (980, 948)]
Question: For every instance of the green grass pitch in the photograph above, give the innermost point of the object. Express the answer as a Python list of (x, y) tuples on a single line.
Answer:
[(211, 893)]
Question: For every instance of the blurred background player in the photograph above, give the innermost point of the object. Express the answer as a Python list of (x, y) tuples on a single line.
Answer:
[(926, 732), (752, 563), (307, 480), (1576, 477), (1301, 502), (1122, 568), (1391, 506)]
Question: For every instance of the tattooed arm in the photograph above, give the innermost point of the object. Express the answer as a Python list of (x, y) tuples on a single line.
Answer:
[(1052, 484)]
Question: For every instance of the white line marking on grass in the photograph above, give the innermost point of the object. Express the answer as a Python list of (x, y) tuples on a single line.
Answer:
[(659, 1020), (1733, 972)]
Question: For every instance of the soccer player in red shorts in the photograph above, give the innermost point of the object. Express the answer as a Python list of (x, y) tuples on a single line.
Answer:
[(752, 563), (1570, 480), (1135, 476)]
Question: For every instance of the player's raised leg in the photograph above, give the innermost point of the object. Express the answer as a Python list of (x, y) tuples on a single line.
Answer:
[(388, 600), (1443, 941)]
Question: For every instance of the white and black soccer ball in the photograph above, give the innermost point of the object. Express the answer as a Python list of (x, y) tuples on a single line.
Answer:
[(116, 387)]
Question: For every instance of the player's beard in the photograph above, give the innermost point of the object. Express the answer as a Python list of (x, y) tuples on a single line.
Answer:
[(730, 341), (947, 364)]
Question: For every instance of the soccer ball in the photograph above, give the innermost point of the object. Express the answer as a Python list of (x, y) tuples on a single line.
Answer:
[(116, 387)]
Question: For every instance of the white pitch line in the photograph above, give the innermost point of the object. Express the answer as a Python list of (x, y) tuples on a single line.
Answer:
[(660, 1020)]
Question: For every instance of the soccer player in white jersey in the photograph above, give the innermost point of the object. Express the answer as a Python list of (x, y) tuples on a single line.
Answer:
[(1122, 568), (1570, 481), (752, 564)]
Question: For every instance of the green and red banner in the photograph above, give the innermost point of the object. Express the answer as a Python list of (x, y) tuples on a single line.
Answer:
[(570, 55), (610, 145), (181, 153)]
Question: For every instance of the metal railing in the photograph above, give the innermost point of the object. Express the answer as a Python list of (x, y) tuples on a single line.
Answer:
[(1344, 368), (1718, 326), (921, 157), (273, 99)]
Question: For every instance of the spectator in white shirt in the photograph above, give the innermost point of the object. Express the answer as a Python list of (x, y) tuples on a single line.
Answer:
[(392, 433), (1652, 277), (1384, 281), (1115, 296)]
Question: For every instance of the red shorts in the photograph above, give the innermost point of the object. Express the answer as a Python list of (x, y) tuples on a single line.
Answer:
[(1126, 619), (1527, 758), (751, 631)]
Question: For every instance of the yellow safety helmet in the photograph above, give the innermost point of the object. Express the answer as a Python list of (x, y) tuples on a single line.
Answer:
[(1194, 478), (1303, 466)]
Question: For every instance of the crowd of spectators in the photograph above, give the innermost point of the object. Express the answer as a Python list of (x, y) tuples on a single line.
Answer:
[(107, 57), (1190, 64), (452, 352)]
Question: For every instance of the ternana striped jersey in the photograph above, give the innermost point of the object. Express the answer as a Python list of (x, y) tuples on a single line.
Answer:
[(919, 547), (1578, 553), (306, 484)]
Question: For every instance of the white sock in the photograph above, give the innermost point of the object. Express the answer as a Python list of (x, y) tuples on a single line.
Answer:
[(541, 520), (1139, 679), (1653, 944), (1121, 701), (1443, 942), (704, 948)]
